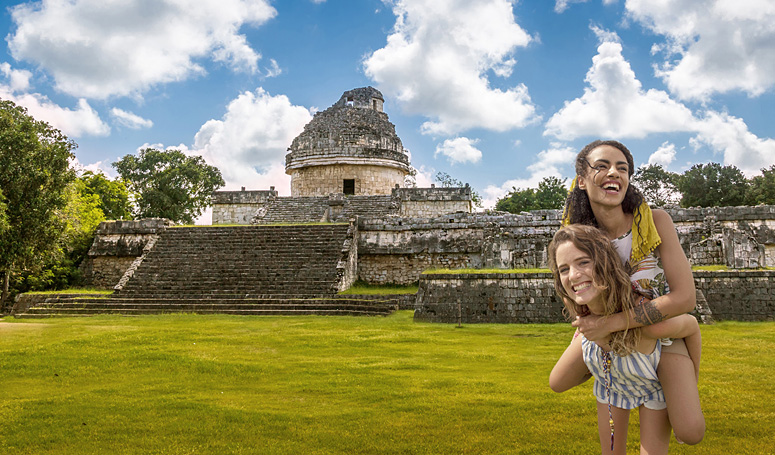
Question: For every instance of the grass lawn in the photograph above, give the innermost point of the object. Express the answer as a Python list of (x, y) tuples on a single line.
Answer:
[(186, 384)]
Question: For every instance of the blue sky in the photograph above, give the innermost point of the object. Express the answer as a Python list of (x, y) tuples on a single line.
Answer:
[(496, 93)]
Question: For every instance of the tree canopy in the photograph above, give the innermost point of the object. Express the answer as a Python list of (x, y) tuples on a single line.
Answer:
[(762, 189), (113, 196), (657, 185), (550, 194), (169, 184), (712, 185), (34, 158)]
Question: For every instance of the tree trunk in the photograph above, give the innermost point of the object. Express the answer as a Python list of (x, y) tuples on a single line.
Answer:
[(4, 296)]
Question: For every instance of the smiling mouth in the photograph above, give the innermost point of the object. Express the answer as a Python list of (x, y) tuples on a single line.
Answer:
[(612, 186), (581, 287)]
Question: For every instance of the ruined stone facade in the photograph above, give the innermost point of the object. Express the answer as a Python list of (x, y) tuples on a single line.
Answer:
[(349, 148)]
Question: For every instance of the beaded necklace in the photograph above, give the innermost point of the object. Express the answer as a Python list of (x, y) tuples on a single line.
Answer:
[(608, 381)]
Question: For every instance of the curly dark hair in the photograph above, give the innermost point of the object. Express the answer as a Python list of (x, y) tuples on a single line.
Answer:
[(577, 204)]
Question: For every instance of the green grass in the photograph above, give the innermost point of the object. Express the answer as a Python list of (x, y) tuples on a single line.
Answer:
[(74, 291), (362, 288), (186, 384), (475, 271)]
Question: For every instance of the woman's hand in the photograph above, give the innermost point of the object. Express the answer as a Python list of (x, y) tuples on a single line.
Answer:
[(592, 327)]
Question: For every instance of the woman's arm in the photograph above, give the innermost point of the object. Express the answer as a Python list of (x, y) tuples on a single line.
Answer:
[(680, 299), (570, 370)]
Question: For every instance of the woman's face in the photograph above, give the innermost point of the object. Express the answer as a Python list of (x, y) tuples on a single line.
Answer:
[(607, 176), (576, 270)]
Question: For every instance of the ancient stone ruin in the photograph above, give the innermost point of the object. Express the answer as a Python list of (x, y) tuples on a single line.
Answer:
[(347, 167)]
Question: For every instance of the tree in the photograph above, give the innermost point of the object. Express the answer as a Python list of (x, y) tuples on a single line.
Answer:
[(447, 181), (112, 194), (712, 185), (169, 184), (657, 185), (551, 194), (34, 158), (762, 189)]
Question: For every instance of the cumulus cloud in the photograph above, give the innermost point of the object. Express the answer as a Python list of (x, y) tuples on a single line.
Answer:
[(712, 46), (459, 150), (78, 122), (248, 144), (95, 49), (547, 164), (729, 136), (438, 60), (561, 5), (18, 80), (664, 155), (614, 103), (129, 119)]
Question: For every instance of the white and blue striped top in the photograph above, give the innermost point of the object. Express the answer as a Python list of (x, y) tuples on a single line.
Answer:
[(633, 377)]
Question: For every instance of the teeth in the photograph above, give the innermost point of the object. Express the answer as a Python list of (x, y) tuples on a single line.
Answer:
[(612, 186), (581, 287)]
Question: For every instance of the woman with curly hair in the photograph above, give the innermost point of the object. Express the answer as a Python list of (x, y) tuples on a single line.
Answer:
[(646, 240), (590, 279)]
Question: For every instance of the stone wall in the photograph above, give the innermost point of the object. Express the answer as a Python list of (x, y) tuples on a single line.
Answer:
[(530, 297), (744, 295), (396, 250), (488, 297), (322, 180), (433, 202), (116, 245), (239, 207)]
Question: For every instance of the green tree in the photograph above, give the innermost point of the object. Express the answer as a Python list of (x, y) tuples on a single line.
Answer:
[(712, 185), (762, 189), (657, 185), (169, 184), (80, 216), (447, 181), (550, 194), (112, 194), (34, 158)]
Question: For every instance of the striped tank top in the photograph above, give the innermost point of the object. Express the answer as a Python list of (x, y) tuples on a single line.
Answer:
[(633, 377)]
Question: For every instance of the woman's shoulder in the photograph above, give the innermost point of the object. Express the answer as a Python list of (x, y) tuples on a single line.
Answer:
[(662, 219)]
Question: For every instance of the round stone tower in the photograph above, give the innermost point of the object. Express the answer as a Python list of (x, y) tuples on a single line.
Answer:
[(349, 148)]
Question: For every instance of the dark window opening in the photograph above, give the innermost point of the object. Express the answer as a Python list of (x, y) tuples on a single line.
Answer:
[(349, 186)]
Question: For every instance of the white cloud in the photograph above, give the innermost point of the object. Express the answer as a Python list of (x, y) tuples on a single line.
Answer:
[(437, 61), (248, 144), (712, 46), (729, 135), (459, 150), (274, 69), (98, 49), (614, 103), (18, 80), (129, 119), (561, 5), (664, 155), (99, 167), (82, 121), (547, 164)]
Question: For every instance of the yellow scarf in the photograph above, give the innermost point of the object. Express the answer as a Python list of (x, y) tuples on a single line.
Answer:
[(645, 238)]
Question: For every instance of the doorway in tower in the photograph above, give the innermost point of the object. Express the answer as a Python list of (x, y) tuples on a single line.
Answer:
[(348, 187)]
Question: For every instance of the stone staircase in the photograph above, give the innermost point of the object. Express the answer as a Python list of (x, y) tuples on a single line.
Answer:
[(249, 270)]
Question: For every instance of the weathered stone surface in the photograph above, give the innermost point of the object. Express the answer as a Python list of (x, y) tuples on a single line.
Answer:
[(353, 140)]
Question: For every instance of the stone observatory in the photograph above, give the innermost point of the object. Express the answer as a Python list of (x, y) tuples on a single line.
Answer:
[(349, 148)]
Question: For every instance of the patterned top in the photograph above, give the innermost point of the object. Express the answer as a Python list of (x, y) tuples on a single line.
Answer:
[(647, 275), (633, 377)]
